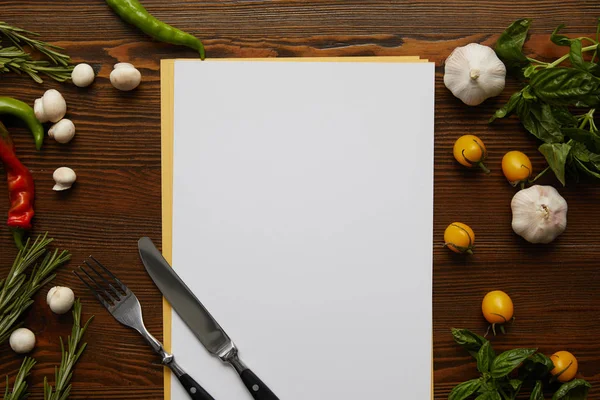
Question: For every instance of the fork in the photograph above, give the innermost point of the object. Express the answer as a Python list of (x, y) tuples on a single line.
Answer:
[(124, 306)]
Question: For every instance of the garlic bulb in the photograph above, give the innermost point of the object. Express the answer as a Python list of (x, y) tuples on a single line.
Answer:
[(539, 214), (474, 73)]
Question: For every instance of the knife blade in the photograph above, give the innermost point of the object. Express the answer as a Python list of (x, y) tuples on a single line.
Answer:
[(198, 318)]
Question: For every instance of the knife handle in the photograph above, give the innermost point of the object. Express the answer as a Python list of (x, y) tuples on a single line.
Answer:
[(193, 389), (256, 387)]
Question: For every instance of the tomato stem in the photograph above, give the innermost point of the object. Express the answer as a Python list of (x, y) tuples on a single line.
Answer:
[(483, 167)]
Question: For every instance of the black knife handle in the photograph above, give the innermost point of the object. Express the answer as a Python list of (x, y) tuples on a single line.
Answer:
[(193, 388), (256, 387)]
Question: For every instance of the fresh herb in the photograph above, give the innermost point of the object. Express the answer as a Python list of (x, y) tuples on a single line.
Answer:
[(16, 290), (63, 374), (16, 59), (503, 376), (558, 100), (19, 391)]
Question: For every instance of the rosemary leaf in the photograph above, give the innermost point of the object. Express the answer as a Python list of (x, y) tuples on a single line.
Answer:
[(16, 59), (16, 291), (69, 356), (19, 390)]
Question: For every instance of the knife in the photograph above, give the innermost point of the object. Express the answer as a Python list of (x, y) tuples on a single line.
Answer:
[(197, 317)]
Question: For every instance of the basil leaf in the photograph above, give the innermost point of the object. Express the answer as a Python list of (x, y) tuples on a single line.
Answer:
[(515, 384), (538, 119), (587, 170), (507, 109), (536, 393), (464, 390), (566, 87), (536, 367), (508, 361), (509, 46), (589, 139), (467, 339), (577, 60), (494, 395), (556, 156), (575, 390), (485, 357), (560, 40), (563, 116)]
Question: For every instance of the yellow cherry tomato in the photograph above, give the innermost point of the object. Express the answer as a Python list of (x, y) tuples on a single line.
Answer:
[(497, 308), (470, 151), (459, 238), (565, 366), (516, 167)]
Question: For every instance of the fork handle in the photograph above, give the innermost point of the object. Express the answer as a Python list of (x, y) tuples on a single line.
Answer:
[(193, 388)]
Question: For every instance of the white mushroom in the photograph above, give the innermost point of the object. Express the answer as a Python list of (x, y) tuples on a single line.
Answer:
[(63, 131), (64, 178), (22, 340), (82, 75), (125, 77), (50, 107), (38, 110), (60, 299)]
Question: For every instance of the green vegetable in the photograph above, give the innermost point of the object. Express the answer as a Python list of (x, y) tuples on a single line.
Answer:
[(63, 374), (16, 290), (577, 389), (557, 102), (24, 112), (19, 391), (497, 379), (16, 59), (132, 12), (536, 393)]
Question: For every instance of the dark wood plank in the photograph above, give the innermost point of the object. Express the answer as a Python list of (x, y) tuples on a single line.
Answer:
[(116, 154)]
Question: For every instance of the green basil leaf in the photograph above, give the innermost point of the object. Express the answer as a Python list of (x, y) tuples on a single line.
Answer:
[(560, 40), (575, 390), (567, 87), (538, 119), (563, 116), (556, 155), (507, 109), (464, 390), (509, 46), (536, 393), (468, 340), (583, 167), (485, 357), (493, 395), (577, 60), (589, 139), (515, 384), (508, 361)]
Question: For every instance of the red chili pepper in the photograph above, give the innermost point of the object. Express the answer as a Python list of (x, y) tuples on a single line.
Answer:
[(20, 188)]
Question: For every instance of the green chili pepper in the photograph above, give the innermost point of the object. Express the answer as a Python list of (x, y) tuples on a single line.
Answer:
[(133, 12), (21, 110)]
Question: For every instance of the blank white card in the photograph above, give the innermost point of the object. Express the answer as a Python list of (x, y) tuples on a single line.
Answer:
[(302, 219)]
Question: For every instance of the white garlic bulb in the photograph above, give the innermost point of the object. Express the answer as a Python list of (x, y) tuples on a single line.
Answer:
[(474, 73), (539, 214)]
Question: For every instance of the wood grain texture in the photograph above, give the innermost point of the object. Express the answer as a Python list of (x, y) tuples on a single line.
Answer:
[(556, 288)]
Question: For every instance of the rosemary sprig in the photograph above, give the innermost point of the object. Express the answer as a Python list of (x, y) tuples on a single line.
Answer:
[(16, 291), (63, 374), (16, 59), (19, 391)]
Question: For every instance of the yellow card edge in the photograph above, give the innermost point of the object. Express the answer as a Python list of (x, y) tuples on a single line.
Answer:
[(167, 74)]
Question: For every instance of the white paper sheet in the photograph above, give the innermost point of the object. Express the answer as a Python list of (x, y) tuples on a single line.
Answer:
[(303, 207)]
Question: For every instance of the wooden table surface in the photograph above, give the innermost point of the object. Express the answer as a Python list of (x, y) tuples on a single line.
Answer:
[(116, 154)]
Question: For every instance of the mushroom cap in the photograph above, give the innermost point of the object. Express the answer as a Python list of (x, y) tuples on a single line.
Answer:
[(82, 75), (54, 105)]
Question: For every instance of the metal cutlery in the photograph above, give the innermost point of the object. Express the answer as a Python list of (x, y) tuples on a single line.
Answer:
[(124, 306), (197, 317)]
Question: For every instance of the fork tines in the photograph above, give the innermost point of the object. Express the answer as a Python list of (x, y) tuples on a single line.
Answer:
[(104, 291)]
